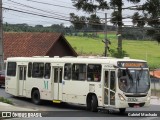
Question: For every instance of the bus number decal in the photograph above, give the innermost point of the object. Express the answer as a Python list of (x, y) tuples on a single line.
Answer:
[(46, 85), (108, 66)]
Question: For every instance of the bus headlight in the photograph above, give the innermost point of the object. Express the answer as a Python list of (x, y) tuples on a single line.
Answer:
[(149, 98), (121, 97)]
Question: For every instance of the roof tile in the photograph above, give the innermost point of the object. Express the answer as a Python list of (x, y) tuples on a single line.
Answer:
[(28, 44)]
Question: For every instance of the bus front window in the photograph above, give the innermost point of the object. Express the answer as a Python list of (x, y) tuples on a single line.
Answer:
[(133, 81)]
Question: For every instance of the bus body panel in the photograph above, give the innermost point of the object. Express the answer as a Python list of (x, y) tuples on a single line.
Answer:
[(11, 85)]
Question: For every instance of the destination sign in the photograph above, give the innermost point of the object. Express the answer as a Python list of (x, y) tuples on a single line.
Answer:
[(132, 64)]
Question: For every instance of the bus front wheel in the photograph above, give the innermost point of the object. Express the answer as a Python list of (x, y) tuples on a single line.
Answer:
[(36, 97), (122, 110)]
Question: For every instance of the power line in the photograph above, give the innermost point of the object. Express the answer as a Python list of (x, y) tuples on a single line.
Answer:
[(36, 8), (55, 5), (51, 4), (34, 14), (45, 16), (29, 20), (18, 3), (44, 10)]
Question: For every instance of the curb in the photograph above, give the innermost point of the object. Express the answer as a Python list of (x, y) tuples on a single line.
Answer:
[(8, 107)]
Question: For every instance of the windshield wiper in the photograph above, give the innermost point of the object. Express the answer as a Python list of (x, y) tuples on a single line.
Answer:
[(129, 75), (139, 75)]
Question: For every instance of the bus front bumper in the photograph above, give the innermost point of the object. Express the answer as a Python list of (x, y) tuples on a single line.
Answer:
[(142, 102)]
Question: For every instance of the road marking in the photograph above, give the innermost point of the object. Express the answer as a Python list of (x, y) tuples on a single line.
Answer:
[(149, 118)]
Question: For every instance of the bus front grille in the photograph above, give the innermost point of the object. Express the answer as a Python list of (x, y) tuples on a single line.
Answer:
[(136, 104)]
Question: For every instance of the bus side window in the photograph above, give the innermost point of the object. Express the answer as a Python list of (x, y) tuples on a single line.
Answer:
[(38, 70), (67, 71), (29, 69), (94, 72), (79, 71), (90, 75), (47, 71), (75, 71), (11, 69)]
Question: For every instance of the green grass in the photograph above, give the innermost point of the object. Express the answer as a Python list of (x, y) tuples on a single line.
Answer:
[(2, 99), (136, 49)]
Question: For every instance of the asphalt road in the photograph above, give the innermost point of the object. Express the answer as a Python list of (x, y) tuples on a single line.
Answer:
[(78, 111)]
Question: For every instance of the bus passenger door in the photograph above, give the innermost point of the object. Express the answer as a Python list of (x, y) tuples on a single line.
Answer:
[(109, 88), (22, 80), (57, 87)]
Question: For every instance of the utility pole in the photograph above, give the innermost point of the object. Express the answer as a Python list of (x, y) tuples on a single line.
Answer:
[(1, 39), (106, 41)]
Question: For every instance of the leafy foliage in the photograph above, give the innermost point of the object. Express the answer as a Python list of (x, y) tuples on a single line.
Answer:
[(138, 20), (117, 54), (78, 22), (152, 7), (94, 22), (116, 18), (89, 6), (38, 28)]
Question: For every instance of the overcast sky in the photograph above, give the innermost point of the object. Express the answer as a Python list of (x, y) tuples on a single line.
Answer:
[(53, 12)]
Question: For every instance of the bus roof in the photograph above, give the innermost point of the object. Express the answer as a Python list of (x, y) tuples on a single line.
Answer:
[(67, 59)]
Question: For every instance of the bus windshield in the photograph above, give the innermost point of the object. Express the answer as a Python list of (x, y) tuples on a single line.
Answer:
[(133, 80)]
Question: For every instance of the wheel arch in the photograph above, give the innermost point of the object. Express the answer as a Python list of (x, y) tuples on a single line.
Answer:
[(33, 89), (89, 97)]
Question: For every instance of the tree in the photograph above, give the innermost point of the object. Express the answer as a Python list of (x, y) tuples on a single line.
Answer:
[(90, 7), (77, 22), (94, 22), (152, 7), (139, 21)]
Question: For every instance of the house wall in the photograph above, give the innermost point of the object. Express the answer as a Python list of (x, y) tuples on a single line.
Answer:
[(60, 48), (155, 83)]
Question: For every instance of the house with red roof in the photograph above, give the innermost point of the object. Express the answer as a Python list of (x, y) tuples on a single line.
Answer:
[(36, 44)]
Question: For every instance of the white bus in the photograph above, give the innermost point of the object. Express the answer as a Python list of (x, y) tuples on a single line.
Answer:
[(101, 82)]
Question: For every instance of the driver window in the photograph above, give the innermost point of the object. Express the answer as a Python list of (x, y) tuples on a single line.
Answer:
[(124, 83), (106, 79)]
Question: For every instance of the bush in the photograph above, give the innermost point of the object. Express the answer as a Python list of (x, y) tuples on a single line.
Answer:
[(115, 53)]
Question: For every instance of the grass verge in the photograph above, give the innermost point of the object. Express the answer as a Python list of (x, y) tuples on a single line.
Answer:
[(4, 100)]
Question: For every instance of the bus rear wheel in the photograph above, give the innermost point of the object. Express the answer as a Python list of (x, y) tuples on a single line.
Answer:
[(36, 97), (94, 103)]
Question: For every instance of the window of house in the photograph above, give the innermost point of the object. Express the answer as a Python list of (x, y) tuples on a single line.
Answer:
[(67, 71), (79, 71), (11, 69), (94, 72), (38, 70)]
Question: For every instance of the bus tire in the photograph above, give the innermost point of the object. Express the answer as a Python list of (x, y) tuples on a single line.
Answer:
[(94, 104), (36, 97), (88, 102), (122, 110)]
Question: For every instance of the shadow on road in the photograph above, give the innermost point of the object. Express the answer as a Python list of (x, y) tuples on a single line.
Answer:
[(71, 110)]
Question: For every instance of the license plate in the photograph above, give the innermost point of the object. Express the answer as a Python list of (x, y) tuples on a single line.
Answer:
[(132, 100)]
